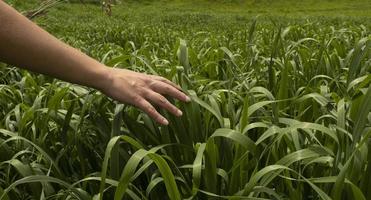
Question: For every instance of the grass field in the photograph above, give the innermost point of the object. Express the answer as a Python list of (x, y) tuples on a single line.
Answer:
[(281, 101)]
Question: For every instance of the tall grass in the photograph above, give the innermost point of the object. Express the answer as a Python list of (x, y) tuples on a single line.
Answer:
[(279, 111)]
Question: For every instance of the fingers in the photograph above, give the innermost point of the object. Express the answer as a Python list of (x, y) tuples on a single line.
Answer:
[(151, 111), (162, 79), (168, 89), (141, 90), (161, 101)]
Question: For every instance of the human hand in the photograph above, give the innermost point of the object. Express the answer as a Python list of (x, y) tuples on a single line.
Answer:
[(142, 90), (25, 44)]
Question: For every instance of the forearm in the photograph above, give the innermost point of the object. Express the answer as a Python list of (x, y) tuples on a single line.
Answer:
[(26, 45)]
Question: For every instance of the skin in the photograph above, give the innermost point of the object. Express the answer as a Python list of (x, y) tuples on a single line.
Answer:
[(24, 44)]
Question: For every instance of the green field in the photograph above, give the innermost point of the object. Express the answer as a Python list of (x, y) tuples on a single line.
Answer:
[(281, 104)]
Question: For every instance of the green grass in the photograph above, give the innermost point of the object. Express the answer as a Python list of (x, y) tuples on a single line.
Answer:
[(280, 110), (279, 7), (290, 8)]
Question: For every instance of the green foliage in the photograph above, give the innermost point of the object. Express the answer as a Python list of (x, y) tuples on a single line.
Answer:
[(280, 110)]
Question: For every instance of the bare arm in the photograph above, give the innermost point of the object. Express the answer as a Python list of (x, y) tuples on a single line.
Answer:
[(24, 44)]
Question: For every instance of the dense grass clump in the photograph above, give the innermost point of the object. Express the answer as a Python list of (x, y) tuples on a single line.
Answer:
[(280, 110)]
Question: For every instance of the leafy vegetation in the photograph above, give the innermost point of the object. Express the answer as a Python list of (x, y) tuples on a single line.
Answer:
[(280, 110)]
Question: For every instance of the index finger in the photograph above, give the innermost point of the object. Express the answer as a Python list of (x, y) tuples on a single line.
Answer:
[(169, 89), (165, 80)]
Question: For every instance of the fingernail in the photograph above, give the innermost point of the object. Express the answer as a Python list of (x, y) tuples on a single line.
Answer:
[(187, 99), (179, 113), (165, 122)]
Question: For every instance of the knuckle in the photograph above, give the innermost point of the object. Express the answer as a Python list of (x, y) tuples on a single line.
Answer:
[(150, 109), (149, 83), (136, 86), (167, 88), (162, 79), (148, 80), (157, 77), (163, 100), (137, 99), (133, 83), (153, 84), (143, 92)]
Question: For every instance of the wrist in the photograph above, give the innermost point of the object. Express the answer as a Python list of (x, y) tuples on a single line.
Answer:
[(104, 78)]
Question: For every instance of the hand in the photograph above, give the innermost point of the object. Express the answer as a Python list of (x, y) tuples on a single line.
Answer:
[(142, 90), (25, 44)]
